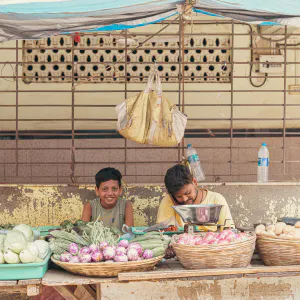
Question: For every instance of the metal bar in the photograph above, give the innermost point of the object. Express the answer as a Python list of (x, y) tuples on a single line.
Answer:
[(73, 162), (231, 95), (126, 65), (180, 59), (187, 91), (17, 108), (107, 105), (284, 102), (162, 76), (183, 75)]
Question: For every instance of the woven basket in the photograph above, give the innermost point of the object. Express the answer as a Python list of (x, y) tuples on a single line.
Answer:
[(233, 255), (103, 269), (275, 251)]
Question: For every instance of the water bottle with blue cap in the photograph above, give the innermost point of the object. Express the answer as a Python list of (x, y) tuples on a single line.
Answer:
[(263, 164), (194, 161)]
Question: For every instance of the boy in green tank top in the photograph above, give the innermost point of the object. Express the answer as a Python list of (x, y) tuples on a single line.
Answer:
[(113, 210)]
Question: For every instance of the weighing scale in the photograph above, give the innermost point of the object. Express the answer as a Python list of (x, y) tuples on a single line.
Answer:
[(199, 215)]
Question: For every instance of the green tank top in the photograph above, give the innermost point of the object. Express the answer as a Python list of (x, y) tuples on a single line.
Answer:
[(114, 217)]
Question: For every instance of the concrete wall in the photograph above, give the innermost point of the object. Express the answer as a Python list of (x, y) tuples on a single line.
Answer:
[(284, 288), (258, 96), (48, 161), (50, 205)]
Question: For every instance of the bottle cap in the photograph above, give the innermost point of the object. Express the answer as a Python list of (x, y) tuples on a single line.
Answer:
[(264, 144), (189, 145)]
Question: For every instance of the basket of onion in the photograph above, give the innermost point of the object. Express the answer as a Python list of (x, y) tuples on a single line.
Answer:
[(279, 244), (106, 260), (226, 249)]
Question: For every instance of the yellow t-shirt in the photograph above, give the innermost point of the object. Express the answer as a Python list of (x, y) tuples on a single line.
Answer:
[(165, 211)]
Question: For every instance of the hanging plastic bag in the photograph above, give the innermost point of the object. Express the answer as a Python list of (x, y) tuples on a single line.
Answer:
[(150, 118)]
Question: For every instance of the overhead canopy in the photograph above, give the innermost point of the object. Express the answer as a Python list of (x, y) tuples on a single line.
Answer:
[(263, 12), (33, 19)]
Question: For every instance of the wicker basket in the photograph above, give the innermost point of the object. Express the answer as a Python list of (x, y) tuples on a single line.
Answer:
[(233, 255), (108, 269), (275, 251)]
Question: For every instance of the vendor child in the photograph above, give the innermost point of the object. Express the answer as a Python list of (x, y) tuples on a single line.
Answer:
[(182, 190), (111, 209)]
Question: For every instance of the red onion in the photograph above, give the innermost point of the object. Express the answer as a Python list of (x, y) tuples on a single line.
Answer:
[(97, 256)]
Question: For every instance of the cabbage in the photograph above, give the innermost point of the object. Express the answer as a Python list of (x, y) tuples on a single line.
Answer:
[(73, 248), (121, 251), (14, 237), (109, 253), (97, 256), (38, 260), (132, 254), (1, 258), (43, 247), (121, 258), (27, 257), (123, 243), (17, 247), (26, 230), (33, 248), (11, 257), (2, 237), (147, 254), (85, 258)]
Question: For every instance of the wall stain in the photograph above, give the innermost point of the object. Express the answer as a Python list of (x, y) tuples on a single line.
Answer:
[(273, 291), (49, 205), (200, 291)]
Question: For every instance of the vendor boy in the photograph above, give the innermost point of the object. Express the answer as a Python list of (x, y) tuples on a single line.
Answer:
[(182, 190), (113, 210)]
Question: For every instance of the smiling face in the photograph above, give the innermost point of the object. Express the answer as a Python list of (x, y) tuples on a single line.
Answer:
[(187, 195), (109, 193)]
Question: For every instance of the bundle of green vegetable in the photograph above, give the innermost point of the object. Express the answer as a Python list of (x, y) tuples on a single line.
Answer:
[(17, 246), (146, 247), (93, 234)]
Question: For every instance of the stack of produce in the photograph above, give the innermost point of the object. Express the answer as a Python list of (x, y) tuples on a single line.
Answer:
[(18, 246), (211, 238), (225, 249), (70, 247), (279, 244), (280, 230)]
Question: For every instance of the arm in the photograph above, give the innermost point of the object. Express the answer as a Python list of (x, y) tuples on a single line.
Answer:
[(225, 215), (129, 214), (165, 211), (87, 213)]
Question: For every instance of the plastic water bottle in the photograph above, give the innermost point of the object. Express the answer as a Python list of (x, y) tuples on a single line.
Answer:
[(263, 164), (194, 161)]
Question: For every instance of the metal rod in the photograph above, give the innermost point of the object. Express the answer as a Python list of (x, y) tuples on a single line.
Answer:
[(125, 87), (17, 108), (284, 102), (180, 73), (231, 95), (73, 162)]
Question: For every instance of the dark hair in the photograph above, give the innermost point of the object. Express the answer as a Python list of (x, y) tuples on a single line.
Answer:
[(177, 177), (107, 174)]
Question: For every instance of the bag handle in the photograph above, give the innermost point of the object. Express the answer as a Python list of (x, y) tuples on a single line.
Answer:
[(154, 76)]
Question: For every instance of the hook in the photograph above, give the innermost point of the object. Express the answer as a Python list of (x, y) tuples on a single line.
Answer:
[(224, 68)]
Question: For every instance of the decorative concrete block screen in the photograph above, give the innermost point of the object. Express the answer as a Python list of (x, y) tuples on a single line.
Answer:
[(100, 59)]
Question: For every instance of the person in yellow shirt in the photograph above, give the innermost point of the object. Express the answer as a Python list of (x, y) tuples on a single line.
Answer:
[(182, 190)]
